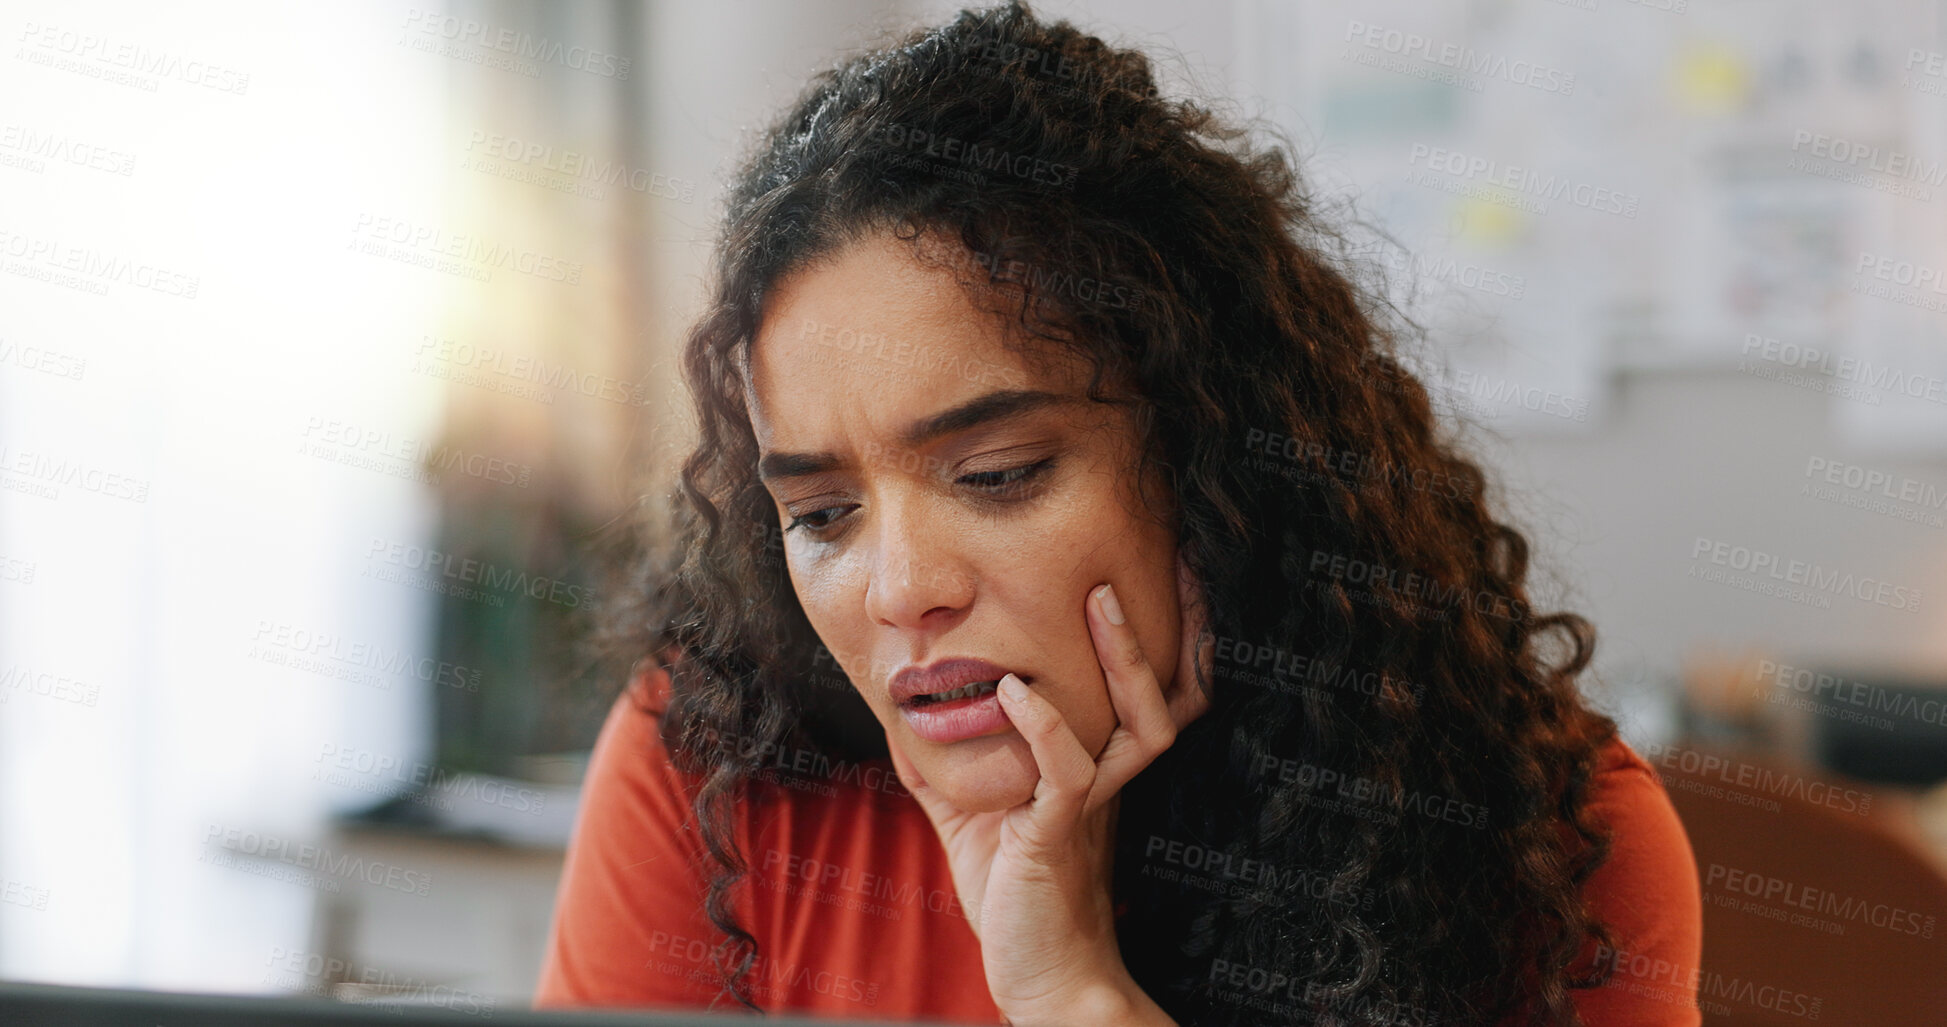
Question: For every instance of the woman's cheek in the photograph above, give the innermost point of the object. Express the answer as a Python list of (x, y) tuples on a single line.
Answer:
[(822, 594), (1086, 707)]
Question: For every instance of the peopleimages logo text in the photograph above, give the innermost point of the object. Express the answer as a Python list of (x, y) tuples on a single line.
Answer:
[(475, 571), (1523, 181), (973, 154), (517, 43), (1812, 576), (1462, 59)]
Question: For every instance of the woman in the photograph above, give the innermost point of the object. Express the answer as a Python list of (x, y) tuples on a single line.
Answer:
[(1075, 614)]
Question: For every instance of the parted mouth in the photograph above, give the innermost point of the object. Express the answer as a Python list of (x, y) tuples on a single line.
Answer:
[(947, 680), (963, 692)]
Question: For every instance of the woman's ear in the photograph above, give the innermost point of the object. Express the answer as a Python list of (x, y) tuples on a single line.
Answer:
[(1190, 693)]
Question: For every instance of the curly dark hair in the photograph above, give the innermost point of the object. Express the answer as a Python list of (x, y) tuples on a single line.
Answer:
[(1384, 725)]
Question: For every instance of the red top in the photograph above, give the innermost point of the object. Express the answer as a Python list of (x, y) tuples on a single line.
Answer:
[(853, 906)]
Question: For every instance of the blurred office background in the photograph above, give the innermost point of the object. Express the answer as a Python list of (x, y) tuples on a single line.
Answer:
[(329, 336)]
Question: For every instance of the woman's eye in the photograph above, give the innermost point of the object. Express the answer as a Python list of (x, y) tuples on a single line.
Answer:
[(1007, 481), (1004, 484), (815, 522)]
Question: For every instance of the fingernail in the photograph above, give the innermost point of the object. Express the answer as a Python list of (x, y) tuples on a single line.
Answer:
[(1110, 608), (1013, 690)]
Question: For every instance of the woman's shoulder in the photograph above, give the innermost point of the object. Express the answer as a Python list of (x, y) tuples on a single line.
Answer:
[(637, 872), (630, 748), (1627, 795), (1647, 839), (786, 767), (631, 888), (1618, 757), (1647, 894)]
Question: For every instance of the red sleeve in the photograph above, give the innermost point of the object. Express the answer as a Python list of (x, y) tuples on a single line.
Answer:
[(629, 928), (1648, 894)]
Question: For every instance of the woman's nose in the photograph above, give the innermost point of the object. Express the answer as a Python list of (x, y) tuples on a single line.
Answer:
[(916, 568)]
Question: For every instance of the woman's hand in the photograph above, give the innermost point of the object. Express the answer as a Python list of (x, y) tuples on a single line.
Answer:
[(1036, 879)]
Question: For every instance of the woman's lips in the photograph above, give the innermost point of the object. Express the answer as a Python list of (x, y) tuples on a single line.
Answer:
[(957, 720)]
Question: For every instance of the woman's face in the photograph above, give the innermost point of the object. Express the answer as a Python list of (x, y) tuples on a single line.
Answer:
[(927, 520)]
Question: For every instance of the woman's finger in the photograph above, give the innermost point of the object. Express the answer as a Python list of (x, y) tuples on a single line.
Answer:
[(1146, 728), (1067, 770)]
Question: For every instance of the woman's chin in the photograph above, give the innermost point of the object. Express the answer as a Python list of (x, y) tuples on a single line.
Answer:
[(994, 781)]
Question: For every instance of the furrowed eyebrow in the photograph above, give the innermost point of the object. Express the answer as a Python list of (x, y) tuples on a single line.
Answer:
[(992, 406)]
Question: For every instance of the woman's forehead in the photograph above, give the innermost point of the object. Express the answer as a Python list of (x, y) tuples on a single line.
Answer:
[(874, 321)]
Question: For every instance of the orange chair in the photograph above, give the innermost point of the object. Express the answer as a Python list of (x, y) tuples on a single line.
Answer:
[(1817, 901)]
